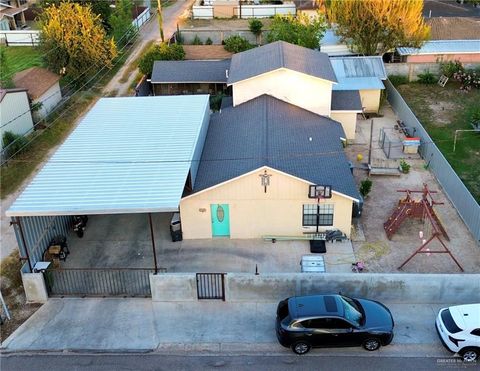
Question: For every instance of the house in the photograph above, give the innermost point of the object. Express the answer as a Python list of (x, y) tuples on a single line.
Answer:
[(259, 161), (15, 115), (247, 171), (12, 14), (43, 89), (362, 74), (301, 76)]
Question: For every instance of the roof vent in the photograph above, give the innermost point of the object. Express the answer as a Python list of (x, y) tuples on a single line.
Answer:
[(226, 74)]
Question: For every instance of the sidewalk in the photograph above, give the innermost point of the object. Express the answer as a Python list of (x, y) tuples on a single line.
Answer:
[(140, 325)]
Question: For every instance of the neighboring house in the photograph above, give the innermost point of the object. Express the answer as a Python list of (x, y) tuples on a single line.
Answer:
[(465, 51), (363, 74), (333, 46), (454, 28), (43, 89), (15, 115), (12, 13)]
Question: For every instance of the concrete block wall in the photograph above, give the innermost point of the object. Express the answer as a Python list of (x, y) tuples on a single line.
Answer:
[(412, 70), (268, 288), (173, 287)]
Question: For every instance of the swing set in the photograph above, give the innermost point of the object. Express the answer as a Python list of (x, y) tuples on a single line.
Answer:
[(420, 209)]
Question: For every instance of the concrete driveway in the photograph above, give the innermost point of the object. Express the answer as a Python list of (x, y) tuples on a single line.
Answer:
[(214, 326), (123, 241)]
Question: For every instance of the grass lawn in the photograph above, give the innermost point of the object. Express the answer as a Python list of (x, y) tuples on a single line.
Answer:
[(442, 111), (20, 58)]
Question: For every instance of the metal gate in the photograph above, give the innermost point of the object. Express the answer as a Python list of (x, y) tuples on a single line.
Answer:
[(98, 282), (211, 286)]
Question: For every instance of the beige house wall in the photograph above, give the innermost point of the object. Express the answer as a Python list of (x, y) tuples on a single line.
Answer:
[(301, 90), (254, 213), (370, 100), (348, 121)]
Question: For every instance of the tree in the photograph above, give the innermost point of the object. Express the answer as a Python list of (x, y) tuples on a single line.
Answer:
[(99, 7), (237, 44), (73, 40), (121, 21), (255, 25), (374, 27), (301, 30), (160, 52)]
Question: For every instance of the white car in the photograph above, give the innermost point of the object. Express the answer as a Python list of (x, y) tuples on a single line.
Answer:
[(459, 330)]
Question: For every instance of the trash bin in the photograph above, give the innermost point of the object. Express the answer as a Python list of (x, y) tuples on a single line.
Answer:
[(176, 228)]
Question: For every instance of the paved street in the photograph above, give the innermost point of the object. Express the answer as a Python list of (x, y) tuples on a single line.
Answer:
[(152, 361)]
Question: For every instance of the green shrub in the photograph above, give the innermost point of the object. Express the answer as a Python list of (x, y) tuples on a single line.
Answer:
[(450, 68), (427, 78), (197, 41), (13, 143), (160, 52), (397, 80), (365, 187), (404, 167), (237, 44), (209, 41)]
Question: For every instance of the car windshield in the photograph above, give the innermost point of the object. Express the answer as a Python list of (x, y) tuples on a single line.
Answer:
[(449, 322), (352, 311)]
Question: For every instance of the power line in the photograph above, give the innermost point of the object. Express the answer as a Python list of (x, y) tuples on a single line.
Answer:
[(66, 110), (54, 94)]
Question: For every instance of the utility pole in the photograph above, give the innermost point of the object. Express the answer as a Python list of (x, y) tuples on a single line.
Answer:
[(160, 19)]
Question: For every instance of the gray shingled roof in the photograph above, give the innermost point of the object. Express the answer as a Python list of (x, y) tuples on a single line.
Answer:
[(346, 100), (190, 71), (266, 131), (277, 55)]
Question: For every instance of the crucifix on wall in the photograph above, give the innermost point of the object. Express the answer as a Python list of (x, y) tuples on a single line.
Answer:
[(265, 180)]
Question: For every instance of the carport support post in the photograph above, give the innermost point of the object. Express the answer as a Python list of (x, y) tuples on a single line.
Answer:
[(153, 242)]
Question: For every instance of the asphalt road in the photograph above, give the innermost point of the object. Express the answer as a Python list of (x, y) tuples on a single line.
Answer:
[(317, 361)]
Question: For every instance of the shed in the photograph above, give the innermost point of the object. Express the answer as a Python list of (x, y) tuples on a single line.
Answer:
[(465, 51), (43, 88), (15, 115)]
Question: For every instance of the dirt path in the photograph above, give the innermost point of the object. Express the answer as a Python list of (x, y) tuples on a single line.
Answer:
[(149, 32)]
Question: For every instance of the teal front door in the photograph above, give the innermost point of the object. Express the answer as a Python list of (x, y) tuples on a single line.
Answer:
[(220, 220)]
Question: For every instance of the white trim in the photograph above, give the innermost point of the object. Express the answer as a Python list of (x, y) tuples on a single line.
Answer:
[(282, 69), (93, 212), (257, 170)]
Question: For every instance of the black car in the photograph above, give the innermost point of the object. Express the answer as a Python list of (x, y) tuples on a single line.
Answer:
[(332, 321)]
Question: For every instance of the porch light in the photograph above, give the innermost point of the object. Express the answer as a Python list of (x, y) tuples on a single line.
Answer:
[(265, 180)]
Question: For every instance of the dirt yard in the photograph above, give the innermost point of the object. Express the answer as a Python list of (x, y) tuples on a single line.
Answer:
[(383, 255)]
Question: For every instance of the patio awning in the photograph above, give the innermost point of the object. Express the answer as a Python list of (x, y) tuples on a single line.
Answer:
[(128, 155)]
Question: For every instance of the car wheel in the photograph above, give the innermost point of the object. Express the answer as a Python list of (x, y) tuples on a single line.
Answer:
[(371, 344), (470, 354), (301, 347)]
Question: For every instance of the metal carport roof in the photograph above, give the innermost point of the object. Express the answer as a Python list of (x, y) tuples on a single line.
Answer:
[(128, 155)]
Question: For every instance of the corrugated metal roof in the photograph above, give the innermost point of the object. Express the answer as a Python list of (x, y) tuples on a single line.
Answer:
[(359, 83), (266, 131), (359, 67), (128, 155), (443, 47), (190, 71), (280, 54)]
